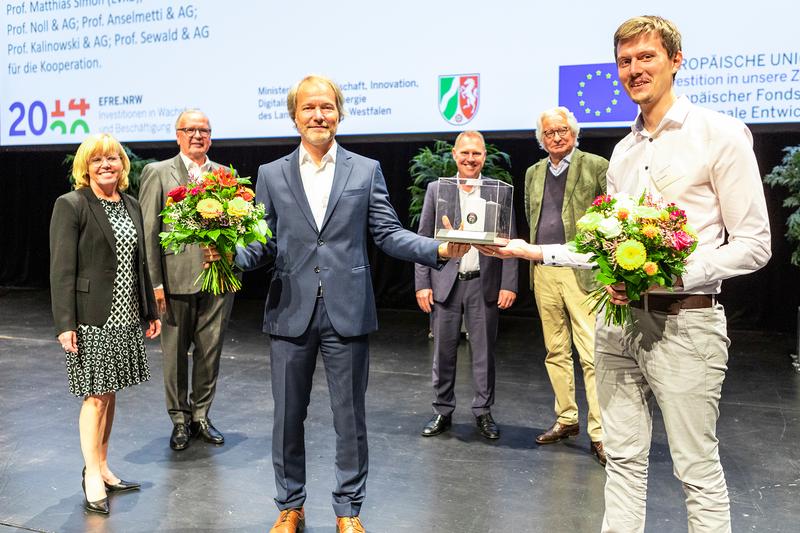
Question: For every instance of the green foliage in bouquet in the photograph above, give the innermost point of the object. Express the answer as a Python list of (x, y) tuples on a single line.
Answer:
[(431, 164)]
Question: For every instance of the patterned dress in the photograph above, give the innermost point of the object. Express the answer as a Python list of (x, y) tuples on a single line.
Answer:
[(112, 357)]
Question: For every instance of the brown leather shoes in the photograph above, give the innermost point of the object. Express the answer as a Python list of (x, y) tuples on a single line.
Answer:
[(290, 521), (349, 524), (599, 452), (558, 432)]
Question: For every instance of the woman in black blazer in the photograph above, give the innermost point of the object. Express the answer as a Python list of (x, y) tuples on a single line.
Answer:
[(100, 292)]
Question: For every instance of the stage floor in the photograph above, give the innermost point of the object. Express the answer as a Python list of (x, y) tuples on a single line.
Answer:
[(454, 483)]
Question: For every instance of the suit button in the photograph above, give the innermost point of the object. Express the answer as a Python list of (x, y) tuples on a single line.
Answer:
[(316, 269), (320, 242)]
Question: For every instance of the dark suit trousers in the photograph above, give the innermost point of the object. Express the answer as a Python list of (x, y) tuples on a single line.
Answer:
[(198, 319), (481, 320), (346, 361)]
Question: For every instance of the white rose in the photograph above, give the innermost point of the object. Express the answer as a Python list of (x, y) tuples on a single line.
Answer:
[(610, 228)]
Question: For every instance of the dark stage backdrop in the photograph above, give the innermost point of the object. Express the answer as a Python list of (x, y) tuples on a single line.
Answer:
[(32, 180)]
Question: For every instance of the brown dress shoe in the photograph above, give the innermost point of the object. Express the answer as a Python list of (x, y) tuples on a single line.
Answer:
[(290, 521), (599, 452), (558, 432), (349, 524)]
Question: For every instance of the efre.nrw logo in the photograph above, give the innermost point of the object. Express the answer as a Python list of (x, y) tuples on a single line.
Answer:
[(459, 96)]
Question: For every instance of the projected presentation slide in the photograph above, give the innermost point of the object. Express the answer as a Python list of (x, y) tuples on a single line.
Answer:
[(128, 67)]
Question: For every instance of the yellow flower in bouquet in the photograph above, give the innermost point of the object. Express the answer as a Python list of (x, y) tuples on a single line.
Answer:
[(238, 207), (630, 255), (209, 208)]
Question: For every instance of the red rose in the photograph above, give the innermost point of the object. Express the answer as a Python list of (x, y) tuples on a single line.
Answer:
[(177, 194)]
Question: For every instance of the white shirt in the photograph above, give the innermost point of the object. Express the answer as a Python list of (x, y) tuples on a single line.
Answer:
[(318, 181), (470, 262), (704, 162), (193, 168)]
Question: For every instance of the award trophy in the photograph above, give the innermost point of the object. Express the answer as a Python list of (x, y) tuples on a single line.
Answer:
[(474, 211)]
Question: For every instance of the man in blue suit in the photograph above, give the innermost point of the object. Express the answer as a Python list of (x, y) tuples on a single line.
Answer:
[(322, 205)]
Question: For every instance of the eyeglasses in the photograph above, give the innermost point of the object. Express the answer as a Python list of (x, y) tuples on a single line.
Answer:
[(562, 132), (110, 159), (204, 132)]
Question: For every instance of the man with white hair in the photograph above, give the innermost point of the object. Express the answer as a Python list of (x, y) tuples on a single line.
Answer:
[(558, 189)]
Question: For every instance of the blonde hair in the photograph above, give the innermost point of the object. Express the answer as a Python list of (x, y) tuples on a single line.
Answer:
[(291, 97), (98, 144), (636, 26)]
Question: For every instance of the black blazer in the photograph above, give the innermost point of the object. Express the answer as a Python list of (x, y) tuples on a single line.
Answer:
[(83, 261)]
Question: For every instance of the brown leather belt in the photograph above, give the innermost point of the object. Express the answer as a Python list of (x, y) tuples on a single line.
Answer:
[(671, 304), (466, 276)]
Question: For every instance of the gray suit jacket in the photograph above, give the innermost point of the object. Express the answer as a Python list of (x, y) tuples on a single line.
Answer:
[(496, 274), (176, 272), (83, 261), (335, 255), (586, 179)]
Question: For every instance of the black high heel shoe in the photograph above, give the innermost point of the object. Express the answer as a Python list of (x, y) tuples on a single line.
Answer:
[(99, 506), (122, 486)]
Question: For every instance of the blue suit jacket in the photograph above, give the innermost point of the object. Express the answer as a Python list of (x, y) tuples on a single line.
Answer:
[(334, 256)]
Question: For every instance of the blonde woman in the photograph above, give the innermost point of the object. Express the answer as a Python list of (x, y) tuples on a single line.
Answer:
[(101, 293)]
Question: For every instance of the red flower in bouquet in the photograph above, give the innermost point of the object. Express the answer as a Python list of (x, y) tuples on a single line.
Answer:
[(245, 193), (177, 194), (216, 208)]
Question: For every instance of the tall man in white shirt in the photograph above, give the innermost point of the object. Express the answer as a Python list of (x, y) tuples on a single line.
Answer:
[(676, 351), (190, 317), (473, 286)]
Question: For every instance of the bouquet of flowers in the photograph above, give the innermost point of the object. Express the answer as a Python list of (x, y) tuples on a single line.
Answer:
[(215, 208), (641, 243)]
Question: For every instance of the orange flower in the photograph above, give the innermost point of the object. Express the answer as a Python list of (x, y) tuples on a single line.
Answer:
[(649, 231), (623, 213), (225, 177), (245, 193), (650, 268)]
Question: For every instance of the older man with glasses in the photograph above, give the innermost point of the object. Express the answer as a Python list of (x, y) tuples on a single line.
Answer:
[(558, 189), (190, 317)]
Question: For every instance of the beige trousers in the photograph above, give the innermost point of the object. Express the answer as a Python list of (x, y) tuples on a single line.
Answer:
[(566, 319), (680, 361)]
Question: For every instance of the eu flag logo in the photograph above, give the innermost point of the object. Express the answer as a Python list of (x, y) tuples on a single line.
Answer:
[(594, 93)]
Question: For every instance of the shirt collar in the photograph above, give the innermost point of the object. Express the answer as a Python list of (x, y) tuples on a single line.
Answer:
[(188, 162), (674, 118), (330, 155), (565, 159)]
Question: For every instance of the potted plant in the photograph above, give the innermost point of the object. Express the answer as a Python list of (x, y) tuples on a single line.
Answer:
[(134, 176), (431, 164), (787, 174)]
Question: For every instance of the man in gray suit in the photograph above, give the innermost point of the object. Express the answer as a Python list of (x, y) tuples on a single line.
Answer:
[(189, 315), (323, 203), (476, 286)]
